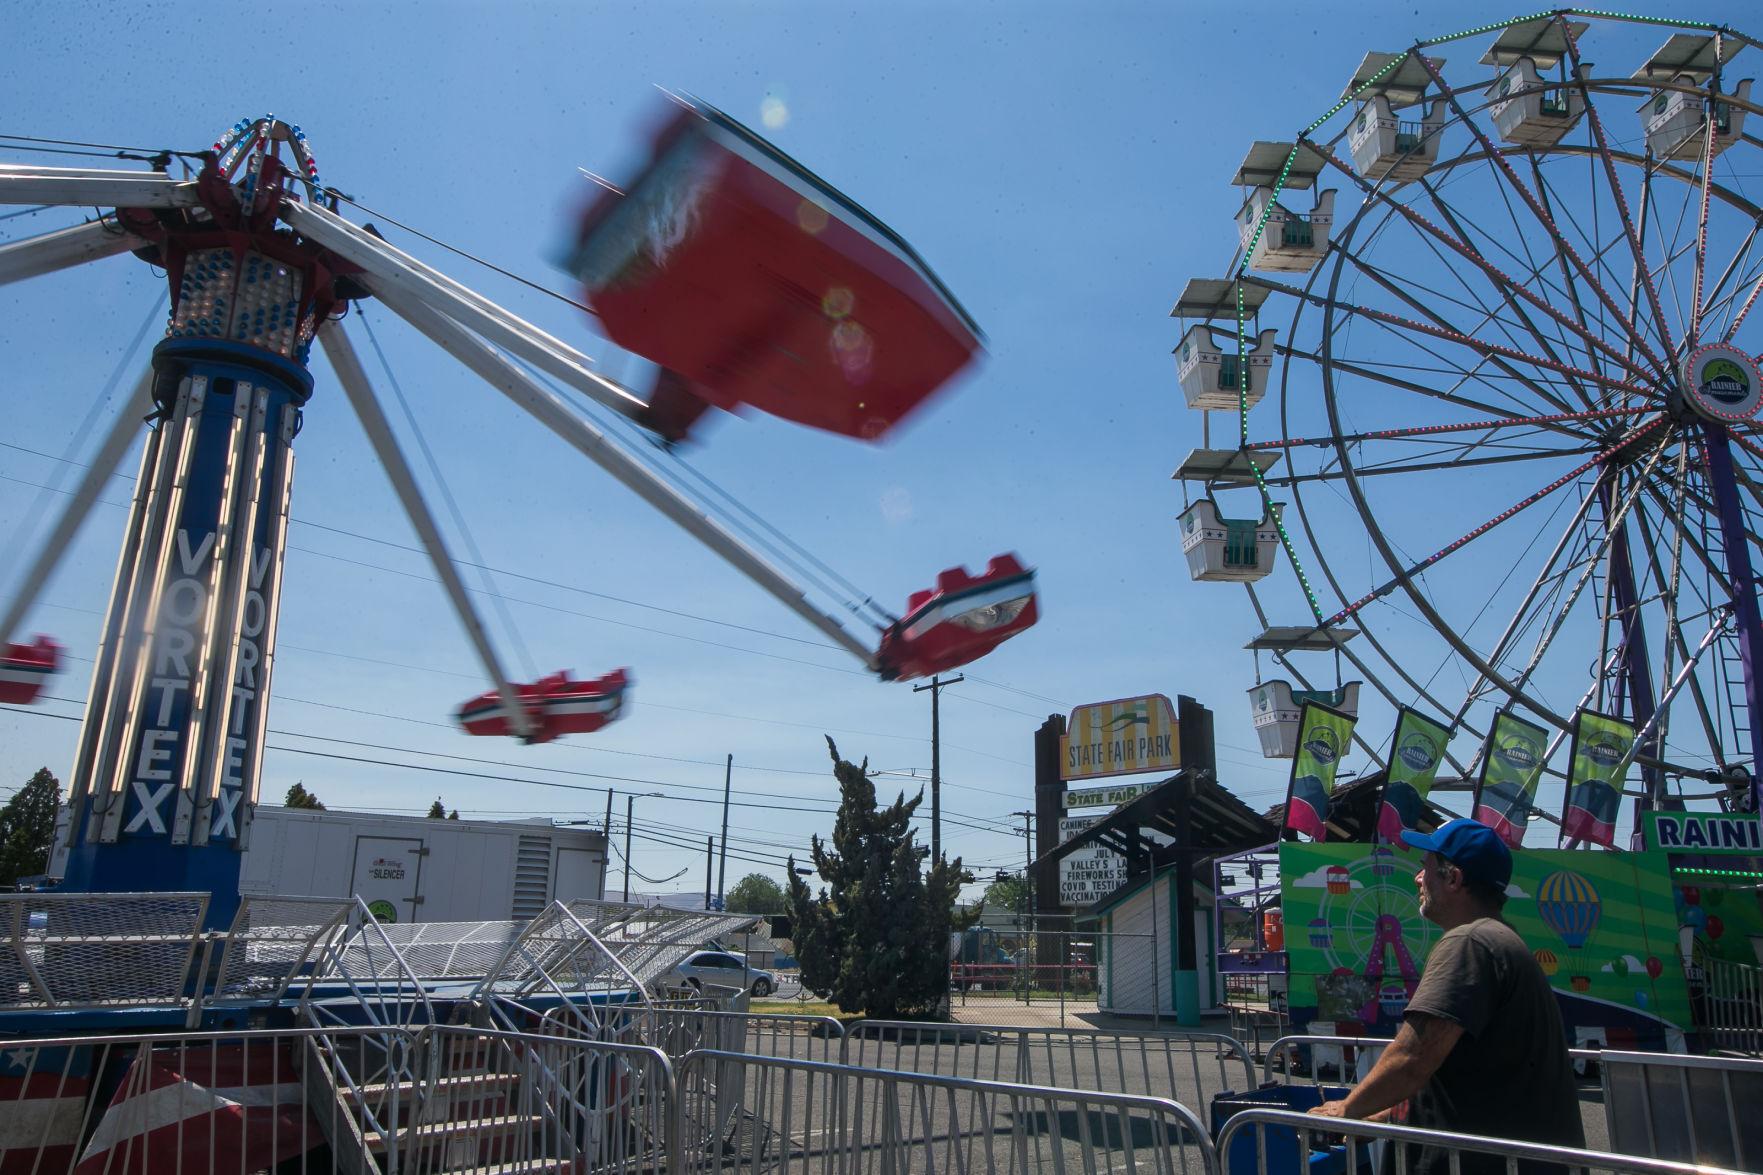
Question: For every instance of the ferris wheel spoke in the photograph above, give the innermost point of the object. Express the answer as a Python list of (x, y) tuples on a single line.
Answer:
[(1608, 163), (1493, 273), (1431, 430), (1670, 257), (1405, 578), (1695, 326), (1741, 265), (1534, 273), (1554, 422), (1450, 334), (1506, 171), (1447, 465), (1711, 727)]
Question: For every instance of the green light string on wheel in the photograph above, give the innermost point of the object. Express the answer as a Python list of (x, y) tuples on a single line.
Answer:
[(1267, 510)]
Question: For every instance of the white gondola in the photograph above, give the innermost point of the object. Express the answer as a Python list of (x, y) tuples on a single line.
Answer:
[(1228, 550), (1290, 241), (1277, 708), (1397, 149), (1212, 373), (1677, 119), (1531, 112)]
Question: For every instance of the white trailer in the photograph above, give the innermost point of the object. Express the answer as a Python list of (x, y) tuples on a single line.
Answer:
[(419, 869)]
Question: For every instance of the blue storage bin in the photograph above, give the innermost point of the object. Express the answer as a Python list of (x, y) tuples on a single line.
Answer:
[(1282, 1141)]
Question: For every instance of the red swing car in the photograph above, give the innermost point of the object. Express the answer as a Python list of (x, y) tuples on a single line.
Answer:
[(960, 620), (750, 280), (554, 705), (25, 670)]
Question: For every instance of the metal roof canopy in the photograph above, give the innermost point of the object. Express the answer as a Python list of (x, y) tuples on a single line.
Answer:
[(1261, 167), (1200, 814), (1542, 40), (1225, 467), (1214, 297), (1405, 85), (1299, 638), (1685, 53)]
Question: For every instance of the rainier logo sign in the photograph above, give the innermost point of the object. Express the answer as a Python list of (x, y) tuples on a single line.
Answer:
[(1722, 382)]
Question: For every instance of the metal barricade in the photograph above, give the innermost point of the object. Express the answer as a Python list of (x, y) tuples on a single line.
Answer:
[(1692, 1109), (1350, 1057), (767, 1114), (1187, 1067), (354, 1100), (1276, 1142), (678, 1031)]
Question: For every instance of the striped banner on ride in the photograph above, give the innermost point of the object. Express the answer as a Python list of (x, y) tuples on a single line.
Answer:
[(203, 1108)]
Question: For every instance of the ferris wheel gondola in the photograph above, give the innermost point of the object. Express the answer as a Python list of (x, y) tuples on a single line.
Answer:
[(1513, 404)]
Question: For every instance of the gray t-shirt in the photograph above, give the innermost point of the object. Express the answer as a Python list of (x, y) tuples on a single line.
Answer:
[(1508, 1075)]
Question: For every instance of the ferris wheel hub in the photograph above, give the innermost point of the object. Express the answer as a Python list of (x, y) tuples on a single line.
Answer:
[(1720, 382)]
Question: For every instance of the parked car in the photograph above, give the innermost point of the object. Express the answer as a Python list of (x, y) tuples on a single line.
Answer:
[(721, 969)]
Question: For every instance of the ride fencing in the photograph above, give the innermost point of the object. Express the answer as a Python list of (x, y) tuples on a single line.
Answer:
[(767, 1114), (1731, 1006), (1275, 1142), (358, 1100), (1034, 976), (1191, 1068)]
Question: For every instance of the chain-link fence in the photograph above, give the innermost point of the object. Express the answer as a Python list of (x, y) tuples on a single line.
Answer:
[(1042, 977)]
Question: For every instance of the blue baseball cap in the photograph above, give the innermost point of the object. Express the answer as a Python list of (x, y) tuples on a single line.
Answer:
[(1472, 847)]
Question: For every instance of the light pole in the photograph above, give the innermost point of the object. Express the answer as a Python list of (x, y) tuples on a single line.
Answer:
[(630, 801)]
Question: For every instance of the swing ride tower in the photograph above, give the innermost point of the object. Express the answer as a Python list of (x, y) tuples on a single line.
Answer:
[(260, 266), (169, 757)]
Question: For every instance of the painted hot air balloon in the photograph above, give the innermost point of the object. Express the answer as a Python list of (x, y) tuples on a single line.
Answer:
[(1570, 906), (1547, 961)]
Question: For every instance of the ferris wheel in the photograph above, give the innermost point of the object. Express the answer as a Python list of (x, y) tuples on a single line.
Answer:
[(1480, 395)]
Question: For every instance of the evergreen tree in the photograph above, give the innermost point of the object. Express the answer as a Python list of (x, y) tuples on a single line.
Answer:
[(453, 815), (756, 894), (436, 810), (877, 937), (27, 828), (299, 797)]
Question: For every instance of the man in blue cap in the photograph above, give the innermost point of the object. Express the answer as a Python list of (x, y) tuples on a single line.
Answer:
[(1481, 1049)]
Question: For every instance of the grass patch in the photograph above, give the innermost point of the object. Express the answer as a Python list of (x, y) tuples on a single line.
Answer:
[(801, 1008)]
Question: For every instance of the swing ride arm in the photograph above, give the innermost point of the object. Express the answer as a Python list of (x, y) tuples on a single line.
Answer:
[(64, 249), (347, 365), (110, 454), (393, 267), (94, 187), (555, 413)]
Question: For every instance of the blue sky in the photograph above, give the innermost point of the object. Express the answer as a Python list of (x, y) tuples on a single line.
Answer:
[(1064, 168)]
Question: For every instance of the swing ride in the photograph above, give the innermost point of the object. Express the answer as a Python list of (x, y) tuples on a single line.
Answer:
[(1494, 399), (746, 278)]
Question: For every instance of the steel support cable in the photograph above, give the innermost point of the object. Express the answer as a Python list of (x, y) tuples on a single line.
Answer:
[(735, 513), (459, 523)]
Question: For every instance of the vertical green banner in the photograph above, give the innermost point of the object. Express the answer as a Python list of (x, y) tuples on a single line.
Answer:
[(1414, 762), (1323, 737), (1601, 744), (1506, 791)]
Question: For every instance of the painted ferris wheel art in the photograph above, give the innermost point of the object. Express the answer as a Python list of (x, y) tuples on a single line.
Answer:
[(1480, 396)]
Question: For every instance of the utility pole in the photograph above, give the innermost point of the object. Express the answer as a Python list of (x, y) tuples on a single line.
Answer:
[(728, 771), (629, 803), (607, 827), (709, 867), (1028, 861), (936, 687)]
